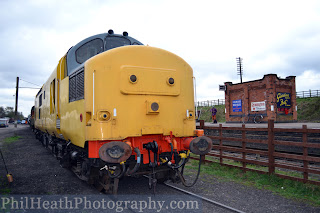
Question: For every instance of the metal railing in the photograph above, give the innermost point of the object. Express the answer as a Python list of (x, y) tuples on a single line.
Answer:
[(270, 157), (308, 94), (210, 103)]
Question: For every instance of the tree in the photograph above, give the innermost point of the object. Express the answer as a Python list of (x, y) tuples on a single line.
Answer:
[(9, 112), (2, 112)]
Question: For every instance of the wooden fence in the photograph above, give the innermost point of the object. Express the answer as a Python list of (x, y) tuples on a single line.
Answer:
[(308, 94), (270, 157)]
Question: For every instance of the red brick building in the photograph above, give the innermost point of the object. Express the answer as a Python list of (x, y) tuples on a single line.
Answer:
[(272, 97)]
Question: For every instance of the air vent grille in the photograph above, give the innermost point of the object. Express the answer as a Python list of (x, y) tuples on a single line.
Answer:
[(76, 85)]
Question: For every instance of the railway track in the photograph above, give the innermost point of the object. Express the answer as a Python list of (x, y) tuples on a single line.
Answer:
[(223, 206)]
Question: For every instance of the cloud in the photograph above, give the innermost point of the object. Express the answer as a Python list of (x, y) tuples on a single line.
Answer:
[(309, 79), (279, 37)]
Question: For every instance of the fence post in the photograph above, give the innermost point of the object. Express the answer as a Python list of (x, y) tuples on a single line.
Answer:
[(310, 93), (202, 157), (305, 153), (244, 165), (271, 146), (220, 143), (201, 124)]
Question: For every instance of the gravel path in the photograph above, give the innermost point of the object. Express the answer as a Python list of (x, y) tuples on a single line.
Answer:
[(36, 172)]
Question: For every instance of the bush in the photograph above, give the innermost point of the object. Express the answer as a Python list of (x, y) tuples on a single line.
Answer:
[(308, 109)]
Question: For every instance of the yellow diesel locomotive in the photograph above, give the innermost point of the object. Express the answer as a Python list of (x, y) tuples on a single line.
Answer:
[(114, 107)]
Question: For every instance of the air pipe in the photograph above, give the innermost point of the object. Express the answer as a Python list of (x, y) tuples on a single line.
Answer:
[(136, 167)]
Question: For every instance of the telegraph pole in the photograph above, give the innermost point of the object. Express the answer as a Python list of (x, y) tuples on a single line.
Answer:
[(240, 68), (16, 108)]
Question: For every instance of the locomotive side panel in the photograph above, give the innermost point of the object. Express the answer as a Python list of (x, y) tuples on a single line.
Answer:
[(44, 114), (71, 124)]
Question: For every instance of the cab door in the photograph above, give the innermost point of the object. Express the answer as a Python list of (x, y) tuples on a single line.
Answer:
[(61, 73)]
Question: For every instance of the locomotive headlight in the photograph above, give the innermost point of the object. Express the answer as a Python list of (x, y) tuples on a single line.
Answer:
[(170, 81), (133, 79), (104, 115), (115, 152), (153, 107)]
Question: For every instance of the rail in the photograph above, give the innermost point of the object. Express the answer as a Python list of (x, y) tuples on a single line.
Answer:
[(270, 156)]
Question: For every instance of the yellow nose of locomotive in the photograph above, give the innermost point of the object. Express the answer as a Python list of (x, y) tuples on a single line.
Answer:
[(141, 90)]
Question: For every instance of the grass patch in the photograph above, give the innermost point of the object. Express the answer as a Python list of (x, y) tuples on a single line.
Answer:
[(284, 187), (4, 188), (206, 114), (12, 139), (308, 109)]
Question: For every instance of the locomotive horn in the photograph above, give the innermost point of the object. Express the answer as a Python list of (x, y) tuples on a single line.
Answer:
[(115, 152)]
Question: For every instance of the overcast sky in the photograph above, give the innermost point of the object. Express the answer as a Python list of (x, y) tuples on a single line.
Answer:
[(274, 36)]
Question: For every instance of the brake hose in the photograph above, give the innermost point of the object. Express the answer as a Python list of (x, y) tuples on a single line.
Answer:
[(121, 173), (181, 174), (136, 167)]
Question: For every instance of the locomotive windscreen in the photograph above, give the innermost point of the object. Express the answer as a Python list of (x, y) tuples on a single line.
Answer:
[(94, 45), (89, 50), (113, 42)]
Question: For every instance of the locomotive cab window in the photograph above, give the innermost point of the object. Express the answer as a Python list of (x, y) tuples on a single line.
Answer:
[(113, 42), (93, 46), (52, 96), (89, 50)]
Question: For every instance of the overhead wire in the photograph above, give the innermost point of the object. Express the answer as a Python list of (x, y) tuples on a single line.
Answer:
[(29, 82), (31, 87)]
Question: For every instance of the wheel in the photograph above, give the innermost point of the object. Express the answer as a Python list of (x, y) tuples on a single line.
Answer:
[(258, 118), (163, 176), (44, 141)]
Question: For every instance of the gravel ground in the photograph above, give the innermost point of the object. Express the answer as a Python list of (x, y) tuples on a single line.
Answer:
[(36, 172), (246, 198)]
